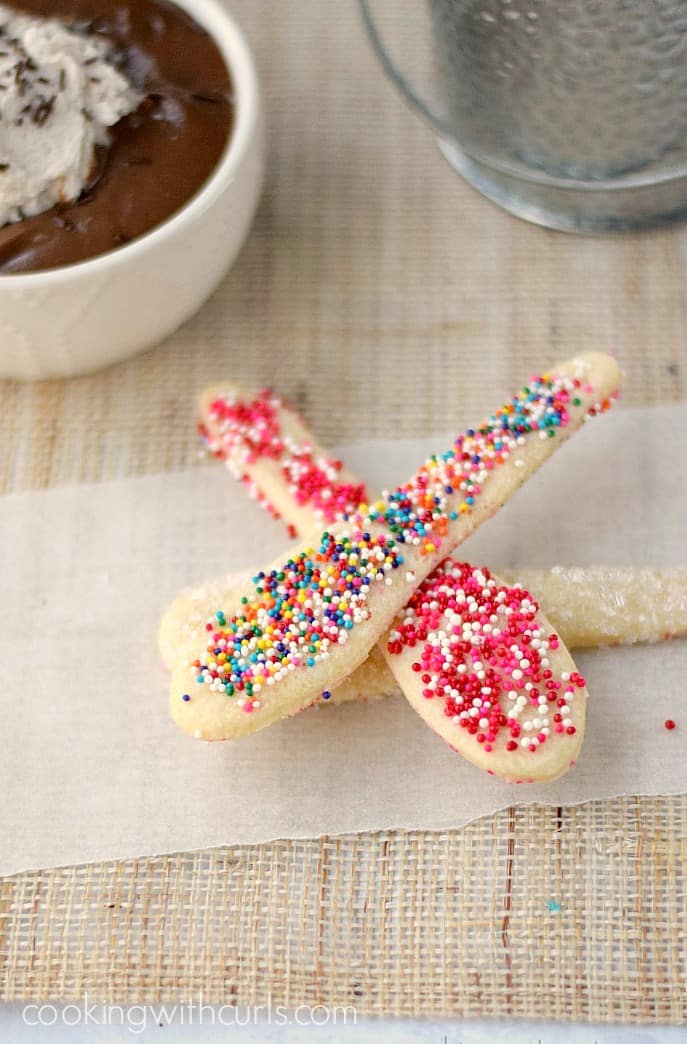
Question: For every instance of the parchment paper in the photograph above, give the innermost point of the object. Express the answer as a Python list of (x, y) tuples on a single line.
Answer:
[(93, 768)]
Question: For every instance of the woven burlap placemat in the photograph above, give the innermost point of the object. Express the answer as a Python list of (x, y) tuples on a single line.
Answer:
[(383, 296)]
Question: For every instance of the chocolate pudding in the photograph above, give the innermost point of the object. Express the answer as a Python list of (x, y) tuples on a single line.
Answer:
[(155, 158)]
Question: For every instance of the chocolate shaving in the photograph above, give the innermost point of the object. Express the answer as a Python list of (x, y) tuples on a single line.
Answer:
[(43, 110)]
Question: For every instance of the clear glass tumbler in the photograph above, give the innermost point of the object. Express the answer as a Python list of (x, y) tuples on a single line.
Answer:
[(569, 113)]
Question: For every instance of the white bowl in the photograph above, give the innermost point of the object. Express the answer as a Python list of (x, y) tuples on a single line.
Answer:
[(79, 318)]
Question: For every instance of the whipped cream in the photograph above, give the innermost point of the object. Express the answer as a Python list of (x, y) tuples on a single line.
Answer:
[(60, 91)]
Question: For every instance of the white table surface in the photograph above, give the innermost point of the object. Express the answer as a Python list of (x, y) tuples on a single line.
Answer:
[(14, 1029)]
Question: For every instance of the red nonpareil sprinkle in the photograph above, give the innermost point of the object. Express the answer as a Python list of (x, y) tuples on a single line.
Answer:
[(669, 724)]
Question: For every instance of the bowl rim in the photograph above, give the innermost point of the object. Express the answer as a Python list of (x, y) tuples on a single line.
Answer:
[(221, 25)]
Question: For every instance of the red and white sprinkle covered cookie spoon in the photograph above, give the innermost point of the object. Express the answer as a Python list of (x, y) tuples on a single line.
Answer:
[(311, 619), (480, 664), (265, 444)]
